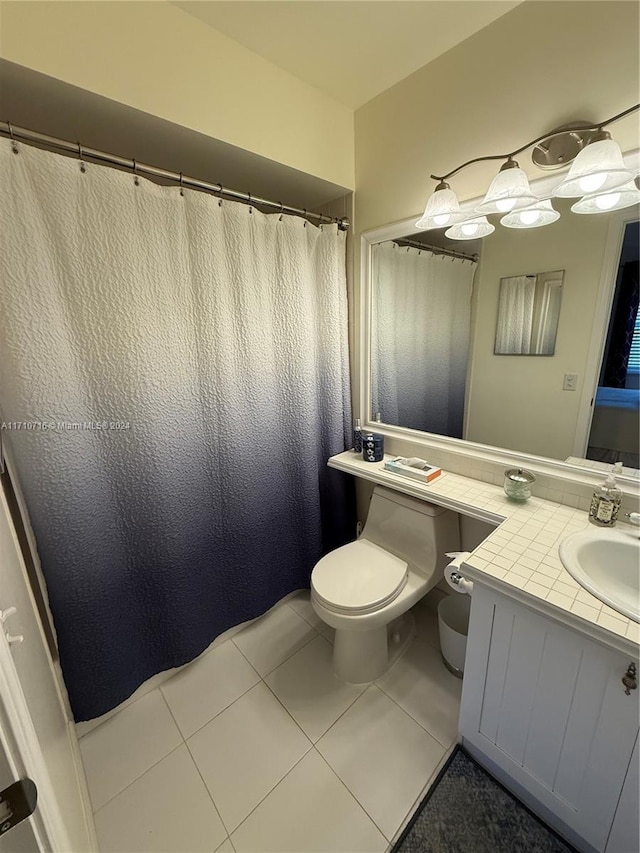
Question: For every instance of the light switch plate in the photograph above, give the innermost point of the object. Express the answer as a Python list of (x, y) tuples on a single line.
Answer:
[(570, 382)]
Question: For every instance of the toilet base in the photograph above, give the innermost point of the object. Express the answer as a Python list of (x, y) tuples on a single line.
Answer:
[(360, 657)]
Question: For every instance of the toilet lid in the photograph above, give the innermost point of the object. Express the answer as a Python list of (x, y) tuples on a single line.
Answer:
[(359, 577)]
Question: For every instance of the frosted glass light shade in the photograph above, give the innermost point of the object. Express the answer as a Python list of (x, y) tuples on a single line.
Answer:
[(534, 216), (597, 168), (616, 199), (509, 190), (442, 209), (470, 229)]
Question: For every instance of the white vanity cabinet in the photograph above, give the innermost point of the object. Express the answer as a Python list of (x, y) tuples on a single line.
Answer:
[(546, 706)]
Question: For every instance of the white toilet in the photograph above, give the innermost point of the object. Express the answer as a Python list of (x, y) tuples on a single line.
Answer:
[(365, 589)]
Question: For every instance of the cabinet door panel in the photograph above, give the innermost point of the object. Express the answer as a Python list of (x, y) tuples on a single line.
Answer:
[(582, 724), (554, 695), (625, 832), (496, 670), (521, 680), (548, 707), (612, 745)]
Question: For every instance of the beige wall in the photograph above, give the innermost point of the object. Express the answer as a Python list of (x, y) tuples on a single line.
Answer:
[(541, 65), (517, 402), (159, 59)]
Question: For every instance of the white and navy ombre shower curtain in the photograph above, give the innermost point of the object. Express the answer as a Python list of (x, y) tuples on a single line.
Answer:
[(174, 376), (420, 330)]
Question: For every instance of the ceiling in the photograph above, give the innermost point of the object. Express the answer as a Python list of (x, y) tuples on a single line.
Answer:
[(349, 49)]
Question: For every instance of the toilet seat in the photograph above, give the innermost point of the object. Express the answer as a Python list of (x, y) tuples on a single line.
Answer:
[(358, 578)]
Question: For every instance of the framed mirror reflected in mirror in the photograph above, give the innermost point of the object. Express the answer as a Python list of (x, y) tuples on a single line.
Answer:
[(528, 314), (441, 357)]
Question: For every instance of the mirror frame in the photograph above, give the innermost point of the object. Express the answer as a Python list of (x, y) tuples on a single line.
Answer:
[(485, 452)]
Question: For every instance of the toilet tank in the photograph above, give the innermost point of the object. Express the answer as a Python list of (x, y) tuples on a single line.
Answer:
[(414, 530)]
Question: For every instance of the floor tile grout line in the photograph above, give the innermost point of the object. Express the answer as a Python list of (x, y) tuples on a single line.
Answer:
[(317, 633), (411, 717), (427, 787), (352, 794), (287, 711), (206, 787), (446, 750), (195, 763), (272, 789), (306, 752), (137, 779), (314, 742), (216, 715)]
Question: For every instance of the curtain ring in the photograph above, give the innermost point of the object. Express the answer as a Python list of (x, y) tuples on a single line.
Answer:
[(83, 167), (14, 144), (181, 187), (136, 179)]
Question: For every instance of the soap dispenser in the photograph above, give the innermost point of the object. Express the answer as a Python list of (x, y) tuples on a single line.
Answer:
[(606, 500)]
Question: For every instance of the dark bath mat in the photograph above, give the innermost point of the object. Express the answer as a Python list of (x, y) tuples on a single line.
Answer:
[(467, 811)]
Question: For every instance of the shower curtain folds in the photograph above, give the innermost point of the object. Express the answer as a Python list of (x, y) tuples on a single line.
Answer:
[(209, 343), (421, 317)]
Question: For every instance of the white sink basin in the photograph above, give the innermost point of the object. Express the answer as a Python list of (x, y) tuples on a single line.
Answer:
[(607, 563)]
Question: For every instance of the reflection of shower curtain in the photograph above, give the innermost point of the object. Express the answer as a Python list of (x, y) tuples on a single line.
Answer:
[(515, 314), (188, 365), (420, 338)]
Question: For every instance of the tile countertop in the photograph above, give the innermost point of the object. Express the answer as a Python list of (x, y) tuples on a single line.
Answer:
[(520, 558)]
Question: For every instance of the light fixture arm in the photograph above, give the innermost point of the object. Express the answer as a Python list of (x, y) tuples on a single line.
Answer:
[(569, 129)]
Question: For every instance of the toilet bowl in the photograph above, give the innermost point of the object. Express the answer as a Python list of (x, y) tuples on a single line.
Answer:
[(364, 589)]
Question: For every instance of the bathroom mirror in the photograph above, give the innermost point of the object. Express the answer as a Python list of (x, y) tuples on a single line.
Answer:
[(528, 314), (433, 363)]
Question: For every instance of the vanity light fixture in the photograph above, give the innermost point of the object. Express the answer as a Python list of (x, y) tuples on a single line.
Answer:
[(509, 190), (598, 168), (470, 229), (617, 199), (443, 208), (535, 216), (598, 172)]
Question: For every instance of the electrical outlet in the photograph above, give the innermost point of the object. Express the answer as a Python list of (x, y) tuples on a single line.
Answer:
[(570, 382)]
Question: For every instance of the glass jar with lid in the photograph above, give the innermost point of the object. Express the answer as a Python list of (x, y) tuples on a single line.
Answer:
[(517, 484)]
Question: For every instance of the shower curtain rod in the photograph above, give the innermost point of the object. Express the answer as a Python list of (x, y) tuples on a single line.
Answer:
[(437, 250), (26, 135)]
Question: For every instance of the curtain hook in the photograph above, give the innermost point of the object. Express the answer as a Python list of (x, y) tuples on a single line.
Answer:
[(181, 186), (281, 212), (83, 167), (14, 144), (249, 202), (136, 179), (305, 217), (219, 190)]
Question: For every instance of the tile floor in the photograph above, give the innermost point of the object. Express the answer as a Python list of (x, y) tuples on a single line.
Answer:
[(257, 747)]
